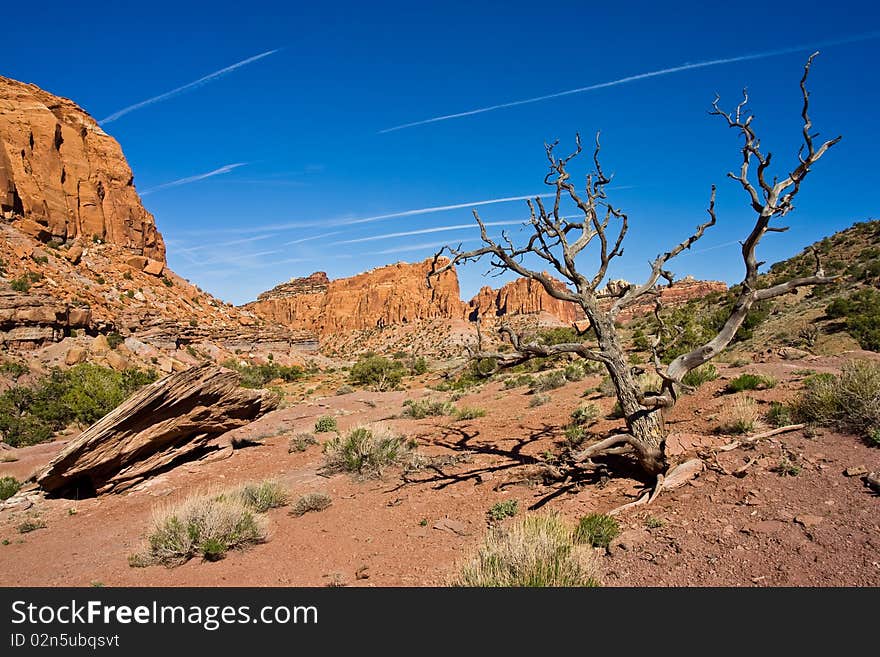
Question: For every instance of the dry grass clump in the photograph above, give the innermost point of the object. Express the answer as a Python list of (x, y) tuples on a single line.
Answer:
[(311, 502), (366, 451), (422, 408), (301, 442), (741, 416), (535, 551), (202, 525), (262, 496)]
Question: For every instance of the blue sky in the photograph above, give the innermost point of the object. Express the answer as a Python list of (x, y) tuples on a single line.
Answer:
[(261, 172)]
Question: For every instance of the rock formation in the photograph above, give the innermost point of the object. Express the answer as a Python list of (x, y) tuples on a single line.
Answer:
[(395, 294), (175, 419), (678, 294), (63, 177), (31, 320), (522, 296)]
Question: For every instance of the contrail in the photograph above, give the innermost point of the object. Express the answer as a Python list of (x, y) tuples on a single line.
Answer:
[(639, 76), (423, 231), (226, 168), (203, 247), (419, 247), (192, 85)]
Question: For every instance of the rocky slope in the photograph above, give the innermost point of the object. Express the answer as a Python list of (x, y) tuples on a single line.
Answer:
[(81, 259)]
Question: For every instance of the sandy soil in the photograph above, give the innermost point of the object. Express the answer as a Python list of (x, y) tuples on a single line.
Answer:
[(819, 527)]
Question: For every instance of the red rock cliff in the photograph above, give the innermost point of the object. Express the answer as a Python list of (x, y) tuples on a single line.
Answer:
[(522, 296), (62, 176), (395, 294)]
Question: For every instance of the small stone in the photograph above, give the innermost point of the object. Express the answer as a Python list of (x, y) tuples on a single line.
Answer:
[(856, 471), (808, 520), (452, 526)]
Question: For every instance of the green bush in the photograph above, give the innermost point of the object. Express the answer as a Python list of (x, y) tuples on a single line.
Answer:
[(365, 451), (703, 374), (536, 551), (502, 510), (597, 530), (849, 401), (14, 369), (750, 382), (585, 414), (84, 394), (257, 376), (22, 284), (519, 381), (861, 311), (574, 372), (325, 424), (377, 373), (262, 496), (418, 409), (539, 400), (114, 340), (779, 415), (9, 486)]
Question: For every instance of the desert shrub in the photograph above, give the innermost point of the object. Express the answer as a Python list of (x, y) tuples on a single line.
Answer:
[(418, 409), (548, 381), (787, 468), (574, 372), (559, 335), (377, 373), (9, 486), (750, 382), (325, 424), (501, 510), (311, 502), (203, 525), (469, 413), (257, 376), (84, 394), (419, 366), (344, 389), (597, 530), (779, 415), (849, 401), (519, 381), (365, 451), (616, 411), (14, 369), (535, 551), (114, 340), (301, 442), (861, 312), (262, 496), (584, 414), (702, 374), (30, 524), (539, 400), (21, 284), (741, 416), (575, 435), (650, 382)]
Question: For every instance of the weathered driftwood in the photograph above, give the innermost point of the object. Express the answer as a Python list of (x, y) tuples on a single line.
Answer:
[(175, 419)]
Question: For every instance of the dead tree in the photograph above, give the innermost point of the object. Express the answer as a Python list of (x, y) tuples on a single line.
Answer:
[(559, 240)]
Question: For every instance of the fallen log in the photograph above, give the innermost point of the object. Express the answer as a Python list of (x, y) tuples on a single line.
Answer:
[(178, 418)]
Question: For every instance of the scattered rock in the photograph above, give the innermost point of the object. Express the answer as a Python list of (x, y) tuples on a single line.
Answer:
[(74, 254), (452, 526), (856, 471), (75, 355), (154, 267)]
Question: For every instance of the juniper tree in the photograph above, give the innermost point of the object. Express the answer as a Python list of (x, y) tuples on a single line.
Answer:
[(559, 240)]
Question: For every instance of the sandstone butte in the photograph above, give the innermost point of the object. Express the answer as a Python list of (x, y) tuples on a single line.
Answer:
[(398, 294), (63, 177)]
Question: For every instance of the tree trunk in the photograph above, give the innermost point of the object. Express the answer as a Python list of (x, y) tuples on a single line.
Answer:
[(648, 434)]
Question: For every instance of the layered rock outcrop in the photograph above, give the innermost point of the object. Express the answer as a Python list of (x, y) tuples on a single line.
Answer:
[(31, 320), (678, 294), (63, 177)]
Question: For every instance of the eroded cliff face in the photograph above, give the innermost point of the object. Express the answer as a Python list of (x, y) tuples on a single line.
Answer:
[(678, 294), (391, 295), (62, 177), (522, 296)]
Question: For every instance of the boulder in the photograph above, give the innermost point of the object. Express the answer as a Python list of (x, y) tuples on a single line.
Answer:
[(74, 254), (136, 262), (75, 355), (154, 267), (171, 421)]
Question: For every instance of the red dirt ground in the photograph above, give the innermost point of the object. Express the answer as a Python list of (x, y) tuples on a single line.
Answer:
[(817, 528)]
